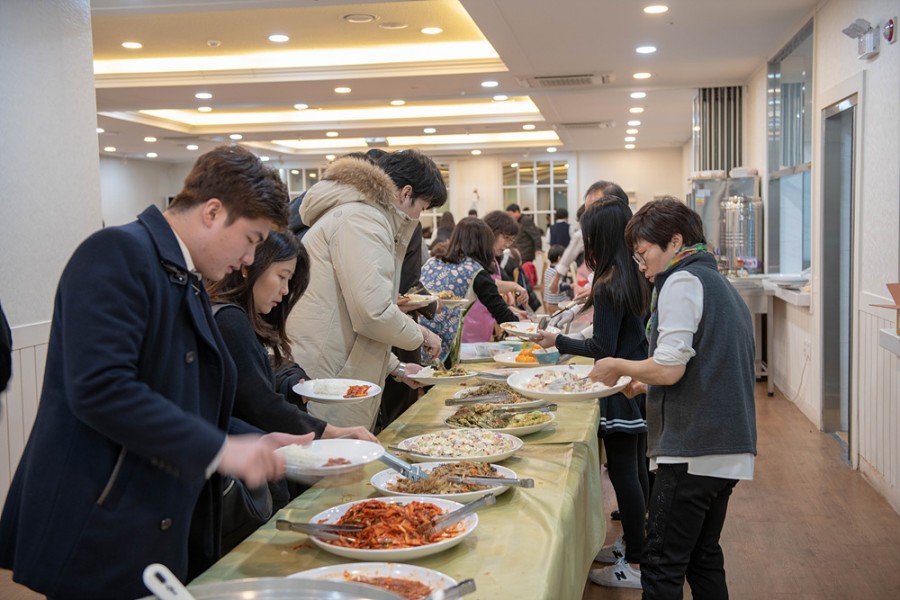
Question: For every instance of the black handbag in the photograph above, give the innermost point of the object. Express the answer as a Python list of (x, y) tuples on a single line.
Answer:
[(244, 510)]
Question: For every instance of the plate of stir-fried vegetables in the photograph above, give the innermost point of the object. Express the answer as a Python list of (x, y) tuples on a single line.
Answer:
[(437, 485)]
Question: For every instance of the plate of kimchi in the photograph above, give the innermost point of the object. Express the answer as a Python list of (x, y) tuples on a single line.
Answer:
[(391, 528), (331, 391), (408, 581)]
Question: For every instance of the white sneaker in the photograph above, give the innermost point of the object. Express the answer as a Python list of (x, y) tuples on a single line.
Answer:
[(620, 574), (611, 553)]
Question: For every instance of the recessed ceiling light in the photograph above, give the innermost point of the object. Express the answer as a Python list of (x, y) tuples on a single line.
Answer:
[(696, 128), (551, 149), (100, 130), (150, 139), (631, 131), (264, 158), (204, 109), (645, 49), (634, 123), (489, 84), (279, 38), (132, 45), (636, 110), (192, 147), (109, 149), (329, 157), (398, 102), (630, 138), (476, 152), (638, 95), (213, 43), (152, 155), (342, 90), (331, 134), (314, 175), (431, 30), (295, 171), (236, 136), (656, 9), (358, 18), (202, 95), (642, 75), (528, 126), (501, 98), (301, 106), (629, 146), (393, 25), (514, 166), (430, 130)]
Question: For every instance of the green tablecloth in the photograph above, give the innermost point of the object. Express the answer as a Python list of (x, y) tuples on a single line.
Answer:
[(534, 543)]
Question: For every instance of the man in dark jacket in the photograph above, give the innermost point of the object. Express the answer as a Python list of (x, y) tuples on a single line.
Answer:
[(528, 241), (5, 351), (122, 466), (560, 230)]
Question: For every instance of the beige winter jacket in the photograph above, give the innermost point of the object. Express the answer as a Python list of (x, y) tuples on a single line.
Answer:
[(347, 321)]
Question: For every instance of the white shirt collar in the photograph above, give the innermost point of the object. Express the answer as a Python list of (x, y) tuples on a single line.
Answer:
[(187, 254)]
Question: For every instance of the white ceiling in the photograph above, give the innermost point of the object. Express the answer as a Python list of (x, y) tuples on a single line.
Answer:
[(700, 43)]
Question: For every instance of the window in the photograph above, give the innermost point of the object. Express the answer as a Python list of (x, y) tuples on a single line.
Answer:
[(789, 113), (300, 179), (430, 218), (539, 187)]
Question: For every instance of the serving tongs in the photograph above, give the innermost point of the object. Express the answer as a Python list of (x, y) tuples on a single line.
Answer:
[(325, 531), (558, 384), (411, 472), (513, 410), (446, 520), (498, 398), (463, 588), (525, 482)]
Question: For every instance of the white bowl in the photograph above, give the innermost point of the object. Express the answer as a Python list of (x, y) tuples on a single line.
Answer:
[(382, 479), (520, 381), (332, 515)]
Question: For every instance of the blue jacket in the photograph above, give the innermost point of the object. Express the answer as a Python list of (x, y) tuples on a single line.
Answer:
[(135, 403)]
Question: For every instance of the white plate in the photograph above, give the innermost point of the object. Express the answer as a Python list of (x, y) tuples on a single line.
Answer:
[(512, 445), (307, 389), (433, 579), (429, 379), (419, 300), (517, 431), (332, 515), (521, 329), (527, 404), (358, 452), (382, 479), (461, 303), (519, 381), (509, 359)]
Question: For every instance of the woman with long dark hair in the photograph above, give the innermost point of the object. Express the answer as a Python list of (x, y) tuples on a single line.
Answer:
[(619, 297), (466, 268), (251, 308)]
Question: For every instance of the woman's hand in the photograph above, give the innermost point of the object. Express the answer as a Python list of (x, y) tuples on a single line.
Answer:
[(547, 339), (431, 343), (581, 294), (607, 371), (355, 433)]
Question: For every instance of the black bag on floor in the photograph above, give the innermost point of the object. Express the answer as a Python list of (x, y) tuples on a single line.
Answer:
[(243, 511)]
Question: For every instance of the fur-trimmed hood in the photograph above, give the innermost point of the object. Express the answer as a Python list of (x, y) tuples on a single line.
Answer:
[(349, 180)]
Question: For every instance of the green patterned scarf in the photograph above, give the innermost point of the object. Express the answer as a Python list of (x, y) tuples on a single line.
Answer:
[(682, 254)]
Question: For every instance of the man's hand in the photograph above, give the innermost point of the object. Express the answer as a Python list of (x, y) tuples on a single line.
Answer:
[(252, 458), (432, 343)]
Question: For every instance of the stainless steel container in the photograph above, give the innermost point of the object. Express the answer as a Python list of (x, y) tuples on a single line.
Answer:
[(741, 235)]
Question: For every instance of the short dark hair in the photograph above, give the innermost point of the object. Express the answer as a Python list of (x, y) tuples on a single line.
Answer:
[(657, 222), (412, 168), (555, 252), (606, 188), (513, 208), (561, 213), (501, 223), (375, 154), (471, 238), (237, 288), (246, 187), (446, 221), (473, 212)]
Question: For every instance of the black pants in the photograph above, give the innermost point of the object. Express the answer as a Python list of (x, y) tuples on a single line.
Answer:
[(627, 468), (686, 517)]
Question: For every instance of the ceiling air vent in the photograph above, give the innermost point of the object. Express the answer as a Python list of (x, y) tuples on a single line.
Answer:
[(376, 142), (558, 81), (589, 125)]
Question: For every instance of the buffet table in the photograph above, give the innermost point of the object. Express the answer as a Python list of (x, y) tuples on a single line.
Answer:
[(534, 543)]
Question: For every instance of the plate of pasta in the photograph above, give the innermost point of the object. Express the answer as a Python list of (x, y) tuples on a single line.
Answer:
[(390, 528), (392, 483)]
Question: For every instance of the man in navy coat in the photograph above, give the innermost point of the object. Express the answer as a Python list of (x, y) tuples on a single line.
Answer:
[(123, 464)]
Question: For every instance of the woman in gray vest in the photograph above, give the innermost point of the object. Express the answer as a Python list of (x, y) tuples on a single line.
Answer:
[(699, 381)]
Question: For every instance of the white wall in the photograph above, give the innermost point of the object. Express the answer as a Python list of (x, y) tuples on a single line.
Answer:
[(48, 207), (648, 173), (127, 187)]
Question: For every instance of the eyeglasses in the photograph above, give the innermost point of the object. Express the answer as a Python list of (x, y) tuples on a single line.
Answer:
[(638, 256)]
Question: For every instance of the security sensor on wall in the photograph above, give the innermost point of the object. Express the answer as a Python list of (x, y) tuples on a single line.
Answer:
[(866, 37)]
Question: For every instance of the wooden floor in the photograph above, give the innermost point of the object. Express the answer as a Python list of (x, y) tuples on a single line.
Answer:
[(808, 527)]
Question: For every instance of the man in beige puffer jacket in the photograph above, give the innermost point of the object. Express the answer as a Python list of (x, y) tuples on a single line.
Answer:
[(361, 218)]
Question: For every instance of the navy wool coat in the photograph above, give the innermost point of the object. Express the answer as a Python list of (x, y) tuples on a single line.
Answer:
[(136, 398)]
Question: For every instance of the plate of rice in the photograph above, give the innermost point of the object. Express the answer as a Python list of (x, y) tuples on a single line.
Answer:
[(328, 457), (337, 391)]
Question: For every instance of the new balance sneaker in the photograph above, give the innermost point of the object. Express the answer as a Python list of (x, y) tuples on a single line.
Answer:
[(620, 575), (611, 553)]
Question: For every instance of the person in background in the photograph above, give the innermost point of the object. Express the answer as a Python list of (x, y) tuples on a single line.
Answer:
[(361, 219), (560, 231), (473, 213), (701, 424), (445, 228), (464, 267), (515, 212), (619, 297), (554, 289), (5, 351), (528, 240), (122, 467)]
